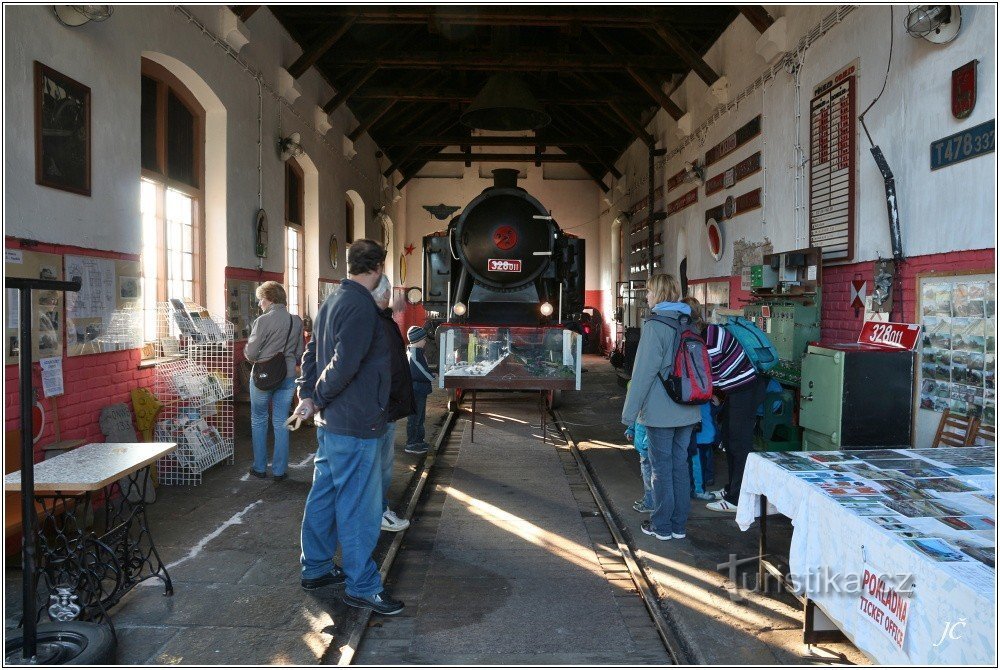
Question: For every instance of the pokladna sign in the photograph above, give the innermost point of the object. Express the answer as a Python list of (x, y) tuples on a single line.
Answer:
[(881, 605)]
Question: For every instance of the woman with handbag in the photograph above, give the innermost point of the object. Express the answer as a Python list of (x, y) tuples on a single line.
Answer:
[(274, 348)]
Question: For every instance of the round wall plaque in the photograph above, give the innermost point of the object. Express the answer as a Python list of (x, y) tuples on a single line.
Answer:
[(334, 251), (715, 239), (260, 235)]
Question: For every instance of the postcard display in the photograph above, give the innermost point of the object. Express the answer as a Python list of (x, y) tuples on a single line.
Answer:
[(958, 346), (106, 314), (929, 514), (484, 357), (196, 390), (47, 310)]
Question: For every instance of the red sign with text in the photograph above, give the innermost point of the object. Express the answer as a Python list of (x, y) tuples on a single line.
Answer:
[(504, 265), (902, 336)]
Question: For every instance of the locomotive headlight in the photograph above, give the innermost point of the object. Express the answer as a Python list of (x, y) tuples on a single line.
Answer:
[(459, 309), (546, 309)]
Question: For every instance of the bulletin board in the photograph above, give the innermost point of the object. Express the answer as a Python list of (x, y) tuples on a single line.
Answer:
[(46, 311), (106, 286), (326, 288), (241, 306), (957, 351)]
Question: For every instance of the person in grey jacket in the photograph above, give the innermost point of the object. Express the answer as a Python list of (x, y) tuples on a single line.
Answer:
[(273, 332), (668, 424), (345, 381)]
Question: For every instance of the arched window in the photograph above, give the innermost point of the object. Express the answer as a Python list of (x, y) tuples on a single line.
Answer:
[(171, 192), (294, 236)]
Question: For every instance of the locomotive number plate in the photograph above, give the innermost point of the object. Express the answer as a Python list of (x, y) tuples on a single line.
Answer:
[(504, 265)]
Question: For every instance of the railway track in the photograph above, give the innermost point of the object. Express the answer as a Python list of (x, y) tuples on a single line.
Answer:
[(619, 563)]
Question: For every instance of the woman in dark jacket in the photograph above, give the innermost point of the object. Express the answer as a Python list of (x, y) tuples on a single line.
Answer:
[(274, 332)]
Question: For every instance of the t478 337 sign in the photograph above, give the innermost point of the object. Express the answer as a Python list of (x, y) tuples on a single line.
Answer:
[(975, 141)]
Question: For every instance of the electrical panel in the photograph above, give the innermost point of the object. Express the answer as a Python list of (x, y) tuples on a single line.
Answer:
[(791, 326)]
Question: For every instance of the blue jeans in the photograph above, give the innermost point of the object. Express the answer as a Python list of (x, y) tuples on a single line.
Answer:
[(415, 422), (668, 449), (279, 401), (387, 452), (707, 459), (647, 475), (344, 504)]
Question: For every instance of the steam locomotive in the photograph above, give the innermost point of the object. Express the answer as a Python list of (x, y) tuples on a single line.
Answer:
[(503, 261)]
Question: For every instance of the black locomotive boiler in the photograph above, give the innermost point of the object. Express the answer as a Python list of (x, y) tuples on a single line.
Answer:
[(503, 261)]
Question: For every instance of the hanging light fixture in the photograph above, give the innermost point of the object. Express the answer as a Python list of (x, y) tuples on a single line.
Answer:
[(935, 23), (77, 15), (290, 147), (505, 103)]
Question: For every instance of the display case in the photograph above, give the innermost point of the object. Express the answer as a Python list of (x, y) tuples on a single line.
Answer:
[(501, 357)]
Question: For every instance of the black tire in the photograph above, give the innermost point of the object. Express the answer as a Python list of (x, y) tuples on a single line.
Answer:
[(555, 399), (65, 643)]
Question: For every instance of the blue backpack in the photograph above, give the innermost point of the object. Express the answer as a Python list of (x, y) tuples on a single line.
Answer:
[(762, 354)]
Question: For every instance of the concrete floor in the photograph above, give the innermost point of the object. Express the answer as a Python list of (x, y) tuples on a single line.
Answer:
[(232, 546)]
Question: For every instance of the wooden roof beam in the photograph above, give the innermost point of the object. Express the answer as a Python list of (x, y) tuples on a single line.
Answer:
[(637, 130), (757, 16), (244, 12), (519, 61), (320, 46), (342, 96), (678, 45), (656, 92), (363, 126)]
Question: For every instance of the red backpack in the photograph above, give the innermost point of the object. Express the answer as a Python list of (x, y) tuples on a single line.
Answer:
[(689, 381)]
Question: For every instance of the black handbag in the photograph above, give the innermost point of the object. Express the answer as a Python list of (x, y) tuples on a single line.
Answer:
[(268, 375)]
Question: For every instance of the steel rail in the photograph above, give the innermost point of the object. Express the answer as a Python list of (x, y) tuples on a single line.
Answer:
[(360, 624), (679, 652)]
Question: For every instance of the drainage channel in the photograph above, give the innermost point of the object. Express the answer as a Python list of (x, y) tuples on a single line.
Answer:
[(648, 635)]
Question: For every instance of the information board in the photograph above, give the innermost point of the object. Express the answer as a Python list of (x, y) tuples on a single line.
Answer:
[(832, 162), (46, 308), (106, 286)]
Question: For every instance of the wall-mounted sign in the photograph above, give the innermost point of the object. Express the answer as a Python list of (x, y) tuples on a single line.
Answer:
[(727, 146), (975, 141), (963, 90), (715, 241), (733, 175), (676, 180), (441, 211), (735, 206), (890, 335), (832, 162), (682, 202)]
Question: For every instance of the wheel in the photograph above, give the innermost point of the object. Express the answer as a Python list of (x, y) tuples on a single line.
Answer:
[(65, 643)]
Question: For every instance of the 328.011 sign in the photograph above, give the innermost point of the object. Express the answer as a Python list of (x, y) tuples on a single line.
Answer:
[(976, 141)]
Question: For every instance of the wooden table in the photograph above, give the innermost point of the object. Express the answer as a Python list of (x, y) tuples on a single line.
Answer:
[(88, 565)]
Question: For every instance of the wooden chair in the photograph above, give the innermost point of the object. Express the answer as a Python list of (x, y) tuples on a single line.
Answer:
[(954, 430), (983, 434)]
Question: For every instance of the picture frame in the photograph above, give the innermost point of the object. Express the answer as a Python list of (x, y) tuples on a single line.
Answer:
[(62, 131)]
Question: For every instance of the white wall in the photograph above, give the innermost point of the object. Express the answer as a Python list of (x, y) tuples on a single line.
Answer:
[(107, 57), (950, 209), (574, 204)]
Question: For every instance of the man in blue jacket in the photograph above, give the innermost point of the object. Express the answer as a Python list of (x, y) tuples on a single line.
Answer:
[(345, 381)]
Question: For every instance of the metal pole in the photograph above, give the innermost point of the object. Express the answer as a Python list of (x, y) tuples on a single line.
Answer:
[(28, 609)]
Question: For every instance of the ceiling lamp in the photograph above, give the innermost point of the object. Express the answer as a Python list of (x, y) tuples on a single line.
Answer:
[(77, 15), (935, 23), (505, 103), (290, 146)]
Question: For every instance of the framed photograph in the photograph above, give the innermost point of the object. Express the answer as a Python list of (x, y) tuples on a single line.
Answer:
[(62, 131)]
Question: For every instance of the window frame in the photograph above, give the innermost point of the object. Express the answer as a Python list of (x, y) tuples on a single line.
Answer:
[(168, 83), (293, 168)]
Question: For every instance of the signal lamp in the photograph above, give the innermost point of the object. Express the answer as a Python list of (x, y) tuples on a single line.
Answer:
[(459, 309), (546, 309)]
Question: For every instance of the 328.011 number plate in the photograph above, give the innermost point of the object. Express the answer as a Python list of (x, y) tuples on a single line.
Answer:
[(975, 141)]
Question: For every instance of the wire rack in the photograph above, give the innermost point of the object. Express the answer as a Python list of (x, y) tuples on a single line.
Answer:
[(124, 331), (196, 390)]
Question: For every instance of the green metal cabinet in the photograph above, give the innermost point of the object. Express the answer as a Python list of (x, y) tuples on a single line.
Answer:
[(854, 396), (791, 326)]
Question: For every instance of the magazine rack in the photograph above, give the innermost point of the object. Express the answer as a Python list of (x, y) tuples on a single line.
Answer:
[(196, 390)]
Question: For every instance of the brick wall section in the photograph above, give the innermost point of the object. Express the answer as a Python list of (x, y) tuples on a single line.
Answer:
[(838, 322)]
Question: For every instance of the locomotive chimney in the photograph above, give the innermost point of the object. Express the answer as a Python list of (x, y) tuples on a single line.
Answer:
[(505, 178)]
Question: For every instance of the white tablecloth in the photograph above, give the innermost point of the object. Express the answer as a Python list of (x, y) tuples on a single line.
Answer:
[(829, 537)]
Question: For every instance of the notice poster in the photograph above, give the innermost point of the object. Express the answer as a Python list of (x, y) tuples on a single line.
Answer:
[(958, 346), (46, 306), (884, 605), (52, 376)]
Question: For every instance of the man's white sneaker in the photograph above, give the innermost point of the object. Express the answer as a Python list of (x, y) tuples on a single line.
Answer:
[(722, 506), (718, 494), (393, 523)]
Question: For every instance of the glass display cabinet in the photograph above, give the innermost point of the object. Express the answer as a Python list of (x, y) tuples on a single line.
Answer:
[(508, 357)]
